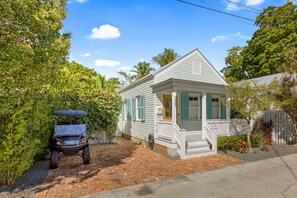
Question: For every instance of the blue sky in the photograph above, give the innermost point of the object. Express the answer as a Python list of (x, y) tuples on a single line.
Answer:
[(113, 35)]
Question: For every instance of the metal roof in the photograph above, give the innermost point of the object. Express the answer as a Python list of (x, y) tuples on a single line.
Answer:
[(264, 80), (70, 112)]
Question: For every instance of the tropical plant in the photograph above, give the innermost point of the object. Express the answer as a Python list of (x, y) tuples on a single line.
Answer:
[(142, 69), (267, 48), (126, 78), (167, 56), (32, 52)]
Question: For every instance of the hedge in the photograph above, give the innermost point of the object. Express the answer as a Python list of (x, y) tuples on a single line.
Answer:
[(230, 142)]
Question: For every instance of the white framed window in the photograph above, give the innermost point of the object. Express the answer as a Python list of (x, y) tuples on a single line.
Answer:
[(194, 106), (137, 107), (216, 107), (196, 67)]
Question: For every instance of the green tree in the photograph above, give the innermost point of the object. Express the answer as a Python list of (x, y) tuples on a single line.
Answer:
[(83, 88), (167, 56), (284, 94), (265, 51), (142, 69), (126, 78), (247, 99), (32, 52), (233, 70)]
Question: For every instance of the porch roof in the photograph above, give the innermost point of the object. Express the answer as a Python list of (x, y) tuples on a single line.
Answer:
[(174, 83)]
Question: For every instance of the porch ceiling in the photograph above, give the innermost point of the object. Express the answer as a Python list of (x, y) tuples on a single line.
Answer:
[(173, 83)]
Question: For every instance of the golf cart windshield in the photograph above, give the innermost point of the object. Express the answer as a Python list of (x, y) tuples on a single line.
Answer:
[(70, 129), (70, 122)]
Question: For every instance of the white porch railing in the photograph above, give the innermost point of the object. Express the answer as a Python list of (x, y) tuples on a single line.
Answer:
[(180, 139), (210, 135)]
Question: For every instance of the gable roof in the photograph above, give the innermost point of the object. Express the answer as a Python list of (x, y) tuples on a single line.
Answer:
[(154, 73)]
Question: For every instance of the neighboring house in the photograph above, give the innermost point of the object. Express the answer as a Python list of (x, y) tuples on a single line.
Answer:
[(179, 106), (283, 129)]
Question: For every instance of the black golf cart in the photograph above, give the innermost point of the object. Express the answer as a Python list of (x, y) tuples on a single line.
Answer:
[(70, 136)]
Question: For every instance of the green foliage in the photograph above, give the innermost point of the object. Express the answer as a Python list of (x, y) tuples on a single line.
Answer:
[(231, 142), (265, 51), (246, 100), (167, 56), (142, 69), (32, 50), (126, 78), (233, 70), (36, 79), (83, 88)]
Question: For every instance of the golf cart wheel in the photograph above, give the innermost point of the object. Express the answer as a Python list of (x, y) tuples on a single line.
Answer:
[(86, 155), (54, 159)]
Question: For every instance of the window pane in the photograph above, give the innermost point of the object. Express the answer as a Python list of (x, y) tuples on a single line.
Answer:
[(215, 108), (193, 107), (168, 107)]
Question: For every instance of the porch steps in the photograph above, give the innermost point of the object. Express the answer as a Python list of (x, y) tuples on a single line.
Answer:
[(199, 153), (197, 148)]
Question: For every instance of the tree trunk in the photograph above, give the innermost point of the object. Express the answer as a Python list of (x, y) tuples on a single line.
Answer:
[(248, 135)]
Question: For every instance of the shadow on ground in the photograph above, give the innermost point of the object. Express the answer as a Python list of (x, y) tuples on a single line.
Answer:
[(71, 169), (29, 182)]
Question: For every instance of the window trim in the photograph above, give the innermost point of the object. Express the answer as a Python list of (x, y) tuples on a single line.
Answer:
[(219, 107), (164, 96), (137, 107), (198, 95)]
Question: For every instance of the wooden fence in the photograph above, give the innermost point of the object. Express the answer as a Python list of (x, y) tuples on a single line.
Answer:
[(283, 130)]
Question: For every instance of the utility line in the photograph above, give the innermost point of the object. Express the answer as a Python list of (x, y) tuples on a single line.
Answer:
[(224, 6), (243, 5), (214, 10)]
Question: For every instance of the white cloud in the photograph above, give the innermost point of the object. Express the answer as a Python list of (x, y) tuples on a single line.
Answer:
[(218, 38), (124, 68), (85, 54), (225, 37), (107, 63), (141, 60), (245, 37), (254, 2), (81, 1), (235, 7), (105, 32), (232, 6)]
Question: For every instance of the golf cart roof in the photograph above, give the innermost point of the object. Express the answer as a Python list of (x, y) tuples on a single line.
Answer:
[(70, 112)]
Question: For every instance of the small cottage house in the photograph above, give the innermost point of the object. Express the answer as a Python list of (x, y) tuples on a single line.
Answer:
[(179, 108)]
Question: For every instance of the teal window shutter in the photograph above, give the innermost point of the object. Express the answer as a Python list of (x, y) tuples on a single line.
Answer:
[(142, 107), (128, 110), (200, 107), (133, 108), (209, 106), (223, 107), (185, 106)]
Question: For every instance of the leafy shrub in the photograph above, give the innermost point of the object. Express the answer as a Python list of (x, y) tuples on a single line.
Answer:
[(256, 140), (231, 142), (243, 146)]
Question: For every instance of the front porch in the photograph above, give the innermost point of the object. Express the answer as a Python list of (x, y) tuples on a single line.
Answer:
[(189, 117)]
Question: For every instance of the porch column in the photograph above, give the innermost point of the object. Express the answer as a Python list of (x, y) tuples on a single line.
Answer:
[(173, 102), (203, 113)]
